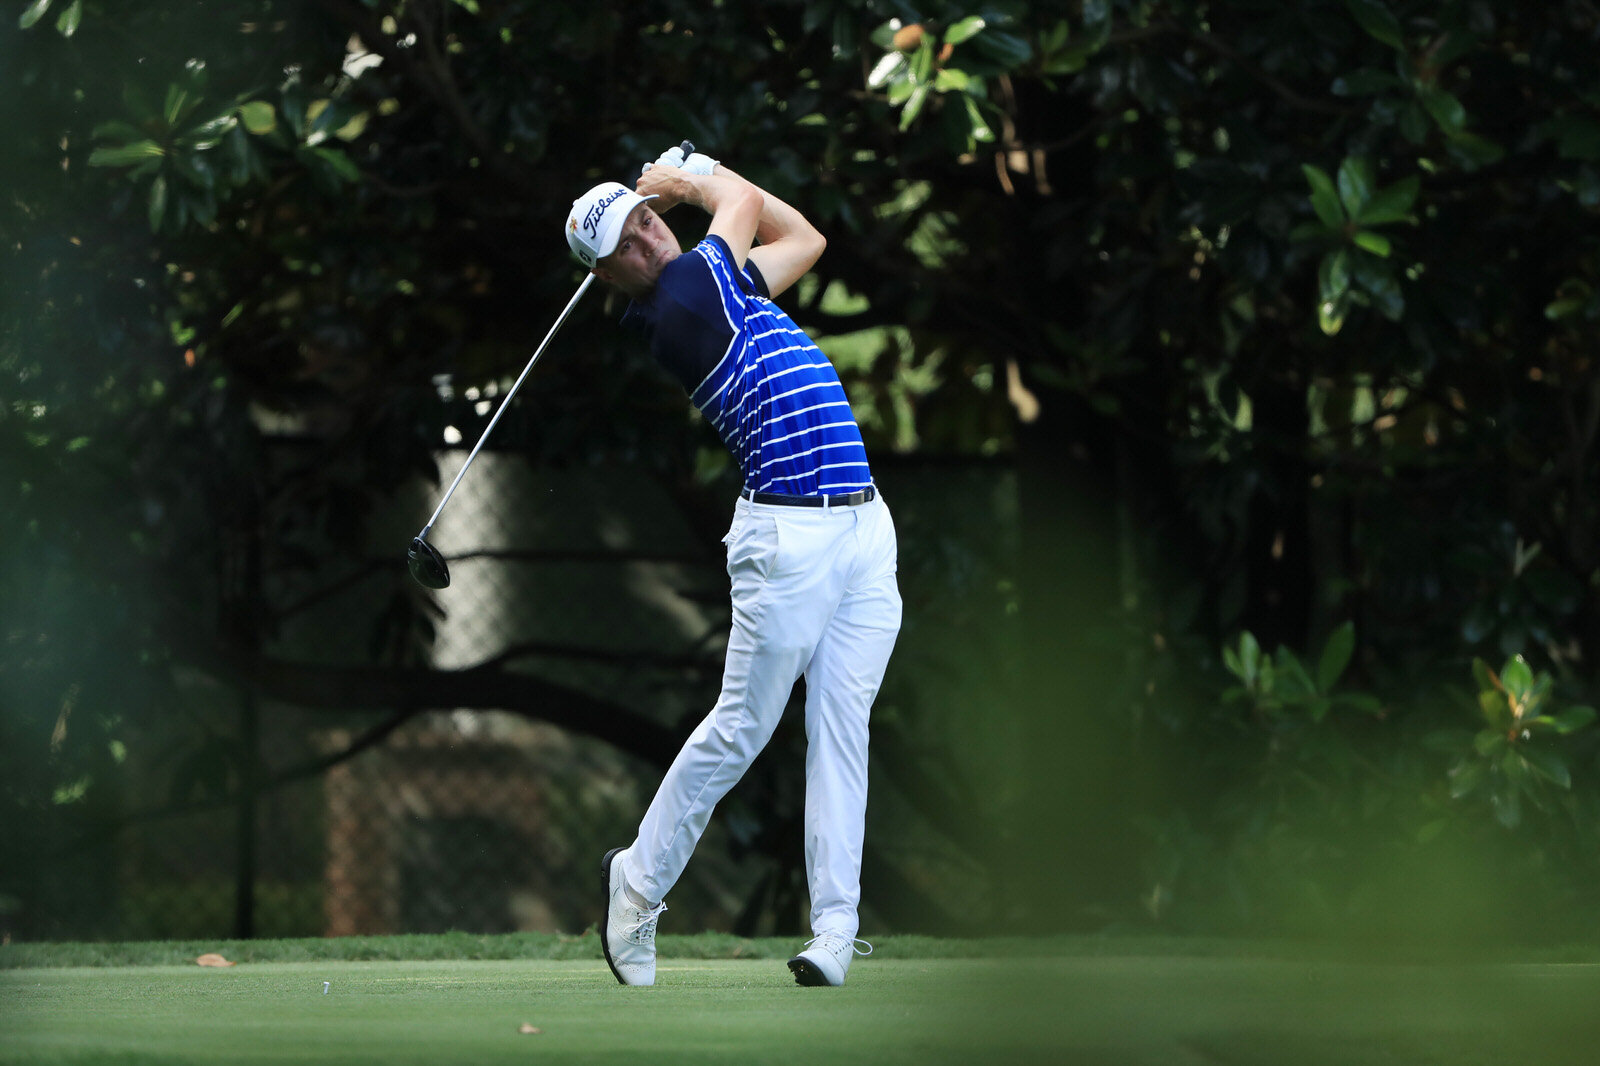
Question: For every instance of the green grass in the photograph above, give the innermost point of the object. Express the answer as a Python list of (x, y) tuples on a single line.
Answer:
[(1099, 1007)]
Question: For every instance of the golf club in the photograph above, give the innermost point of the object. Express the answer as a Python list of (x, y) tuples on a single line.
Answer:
[(427, 565)]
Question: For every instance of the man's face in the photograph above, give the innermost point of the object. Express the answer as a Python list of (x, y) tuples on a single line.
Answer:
[(643, 251)]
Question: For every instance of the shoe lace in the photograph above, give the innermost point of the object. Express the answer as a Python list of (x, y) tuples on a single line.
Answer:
[(642, 929), (837, 942)]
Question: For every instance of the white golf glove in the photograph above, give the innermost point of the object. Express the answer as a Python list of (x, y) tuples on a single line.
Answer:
[(697, 163)]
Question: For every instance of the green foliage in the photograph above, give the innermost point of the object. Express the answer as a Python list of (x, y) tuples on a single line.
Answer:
[(1347, 212), (1515, 757), (1308, 293), (1281, 685)]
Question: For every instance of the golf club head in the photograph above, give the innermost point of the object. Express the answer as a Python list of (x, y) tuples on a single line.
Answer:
[(427, 565)]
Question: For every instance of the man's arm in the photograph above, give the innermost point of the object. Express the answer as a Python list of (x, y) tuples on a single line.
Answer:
[(735, 205), (789, 244)]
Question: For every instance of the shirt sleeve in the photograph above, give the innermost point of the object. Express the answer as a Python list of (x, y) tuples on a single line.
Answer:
[(700, 306)]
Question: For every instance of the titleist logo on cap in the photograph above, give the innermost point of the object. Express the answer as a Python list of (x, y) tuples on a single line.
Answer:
[(591, 221)]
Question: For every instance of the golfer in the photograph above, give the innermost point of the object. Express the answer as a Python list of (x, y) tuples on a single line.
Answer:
[(811, 549)]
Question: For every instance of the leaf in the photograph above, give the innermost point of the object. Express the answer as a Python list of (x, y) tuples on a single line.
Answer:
[(1464, 778), (964, 30), (980, 125), (1230, 659), (1007, 49), (890, 66), (1572, 719), (1333, 276), (950, 79), (1446, 110), (1324, 198), (1250, 656), (1489, 741), (211, 958), (1331, 313), (118, 130), (1484, 676), (1474, 151), (339, 163), (1376, 243), (1356, 183), (258, 116), (1335, 656), (1292, 682), (1379, 281), (125, 154), (1378, 21), (67, 24), (1517, 677), (158, 202), (177, 104), (33, 13), (919, 95), (1548, 765), (1391, 204)]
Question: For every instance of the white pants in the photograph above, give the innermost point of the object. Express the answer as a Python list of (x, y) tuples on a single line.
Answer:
[(814, 593)]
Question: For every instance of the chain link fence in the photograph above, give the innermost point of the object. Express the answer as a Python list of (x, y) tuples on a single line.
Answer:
[(491, 821)]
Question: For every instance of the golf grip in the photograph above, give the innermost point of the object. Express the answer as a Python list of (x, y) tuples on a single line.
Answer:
[(688, 149)]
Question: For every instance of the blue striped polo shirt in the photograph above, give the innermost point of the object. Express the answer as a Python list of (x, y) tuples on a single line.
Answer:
[(769, 391)]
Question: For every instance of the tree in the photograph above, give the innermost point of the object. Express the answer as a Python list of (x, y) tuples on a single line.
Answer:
[(1282, 312)]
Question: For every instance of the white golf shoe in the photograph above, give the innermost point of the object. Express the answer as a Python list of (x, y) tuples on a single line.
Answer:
[(826, 959), (629, 938)]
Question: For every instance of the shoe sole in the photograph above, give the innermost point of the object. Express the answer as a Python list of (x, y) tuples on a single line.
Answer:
[(605, 913), (806, 973)]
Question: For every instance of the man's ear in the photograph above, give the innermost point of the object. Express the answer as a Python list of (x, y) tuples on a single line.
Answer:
[(604, 275)]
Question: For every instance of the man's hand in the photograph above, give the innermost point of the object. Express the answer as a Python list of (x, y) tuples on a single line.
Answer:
[(696, 163), (668, 182)]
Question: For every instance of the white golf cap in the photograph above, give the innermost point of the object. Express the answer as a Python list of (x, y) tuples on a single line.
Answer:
[(597, 218)]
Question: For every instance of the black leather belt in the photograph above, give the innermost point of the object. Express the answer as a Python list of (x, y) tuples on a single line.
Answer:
[(848, 499)]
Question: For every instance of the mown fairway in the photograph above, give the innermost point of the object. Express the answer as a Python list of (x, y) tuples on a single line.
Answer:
[(1061, 1010)]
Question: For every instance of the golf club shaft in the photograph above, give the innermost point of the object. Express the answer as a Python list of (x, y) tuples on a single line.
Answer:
[(505, 403)]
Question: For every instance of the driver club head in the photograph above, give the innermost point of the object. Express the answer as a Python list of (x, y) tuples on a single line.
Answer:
[(427, 565)]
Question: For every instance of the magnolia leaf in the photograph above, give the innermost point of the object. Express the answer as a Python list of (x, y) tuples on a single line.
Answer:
[(1572, 719), (1391, 204), (919, 95), (1517, 677), (1376, 243), (1356, 183), (890, 66), (258, 116), (158, 202), (1335, 656), (964, 30), (1333, 277), (980, 126), (1378, 21), (1331, 314), (33, 13), (67, 24), (1548, 765), (125, 154), (1324, 197), (1446, 110)]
